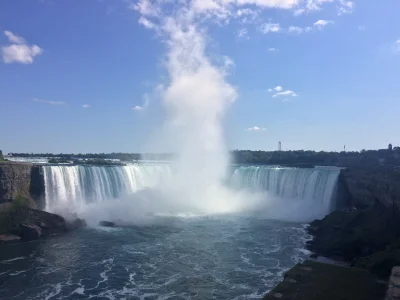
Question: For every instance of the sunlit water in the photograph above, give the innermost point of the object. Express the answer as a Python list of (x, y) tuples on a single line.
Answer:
[(224, 257), (174, 253)]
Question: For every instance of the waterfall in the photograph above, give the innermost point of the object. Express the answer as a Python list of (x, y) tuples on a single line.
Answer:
[(312, 188), (281, 191), (72, 187)]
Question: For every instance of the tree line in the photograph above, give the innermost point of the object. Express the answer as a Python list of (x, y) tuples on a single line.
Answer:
[(389, 156)]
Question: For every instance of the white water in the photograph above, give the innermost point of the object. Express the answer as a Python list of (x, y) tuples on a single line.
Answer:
[(74, 187), (282, 193), (316, 184)]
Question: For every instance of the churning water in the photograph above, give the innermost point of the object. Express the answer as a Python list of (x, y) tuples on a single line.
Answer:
[(236, 255)]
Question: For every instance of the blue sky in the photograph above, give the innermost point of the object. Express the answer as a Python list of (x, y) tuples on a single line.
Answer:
[(80, 76)]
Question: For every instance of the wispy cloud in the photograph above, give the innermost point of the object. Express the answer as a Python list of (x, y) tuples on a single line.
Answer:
[(318, 25), (269, 27), (298, 30), (285, 93), (19, 51), (49, 102), (243, 33), (345, 7), (256, 129), (146, 23), (322, 23), (14, 38), (146, 102), (276, 89), (279, 91), (138, 108), (273, 50), (247, 15), (86, 105), (309, 6)]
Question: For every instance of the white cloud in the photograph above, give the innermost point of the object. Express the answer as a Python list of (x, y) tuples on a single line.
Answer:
[(273, 49), (146, 23), (361, 27), (299, 11), (19, 51), (345, 7), (270, 27), (14, 38), (256, 128), (243, 33), (276, 89), (138, 108), (86, 105), (228, 63), (222, 8), (49, 102), (322, 23), (157, 92), (309, 6), (145, 8), (295, 29), (285, 93)]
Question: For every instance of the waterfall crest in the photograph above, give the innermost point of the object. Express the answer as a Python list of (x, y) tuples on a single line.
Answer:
[(282, 192), (313, 188), (75, 186)]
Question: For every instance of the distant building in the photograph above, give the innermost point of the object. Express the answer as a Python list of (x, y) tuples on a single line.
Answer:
[(279, 146)]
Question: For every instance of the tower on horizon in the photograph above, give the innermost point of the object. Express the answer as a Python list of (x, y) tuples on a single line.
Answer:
[(279, 146)]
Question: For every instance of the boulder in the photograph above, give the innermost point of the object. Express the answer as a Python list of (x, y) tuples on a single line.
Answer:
[(107, 224), (30, 232), (76, 224)]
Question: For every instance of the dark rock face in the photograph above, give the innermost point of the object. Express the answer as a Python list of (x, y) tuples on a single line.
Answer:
[(37, 187), (13, 219), (371, 186), (315, 281), (107, 224), (14, 180), (348, 235), (30, 232), (366, 238), (24, 180)]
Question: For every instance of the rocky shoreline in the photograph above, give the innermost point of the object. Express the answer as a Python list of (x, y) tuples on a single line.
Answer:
[(368, 239), (20, 224)]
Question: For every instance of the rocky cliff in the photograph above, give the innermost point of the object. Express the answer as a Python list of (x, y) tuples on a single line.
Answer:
[(368, 234), (21, 179), (14, 180), (372, 186)]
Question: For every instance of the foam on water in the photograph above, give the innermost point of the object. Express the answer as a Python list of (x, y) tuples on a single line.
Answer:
[(223, 257)]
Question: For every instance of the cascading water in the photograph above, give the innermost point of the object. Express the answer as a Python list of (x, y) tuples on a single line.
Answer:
[(235, 256), (75, 186), (293, 194), (309, 192)]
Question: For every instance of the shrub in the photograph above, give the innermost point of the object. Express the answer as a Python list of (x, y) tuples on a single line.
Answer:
[(22, 201)]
